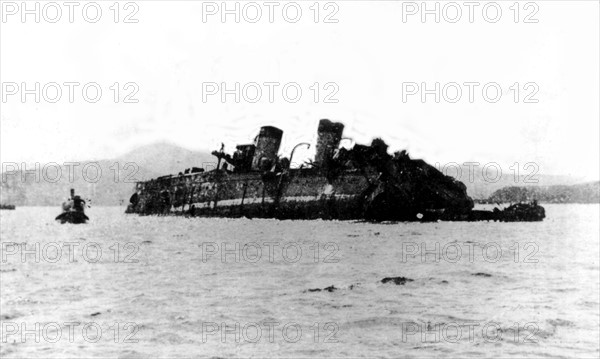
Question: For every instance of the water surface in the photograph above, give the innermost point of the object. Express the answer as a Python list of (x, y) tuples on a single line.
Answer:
[(178, 293)]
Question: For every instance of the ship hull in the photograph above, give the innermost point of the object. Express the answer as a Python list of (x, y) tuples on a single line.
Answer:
[(305, 194), (72, 217), (364, 182), (299, 195)]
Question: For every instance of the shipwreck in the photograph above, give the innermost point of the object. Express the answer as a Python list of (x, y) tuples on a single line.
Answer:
[(361, 183)]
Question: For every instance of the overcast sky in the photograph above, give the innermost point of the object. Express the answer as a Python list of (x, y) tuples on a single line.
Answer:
[(367, 54)]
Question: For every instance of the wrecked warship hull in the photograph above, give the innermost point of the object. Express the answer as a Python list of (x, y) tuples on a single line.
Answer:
[(299, 195), (363, 183), (220, 194)]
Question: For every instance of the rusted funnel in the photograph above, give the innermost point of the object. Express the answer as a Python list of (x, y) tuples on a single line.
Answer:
[(330, 135), (267, 145)]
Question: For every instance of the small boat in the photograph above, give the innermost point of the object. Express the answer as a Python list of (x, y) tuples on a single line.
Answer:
[(7, 206), (73, 210)]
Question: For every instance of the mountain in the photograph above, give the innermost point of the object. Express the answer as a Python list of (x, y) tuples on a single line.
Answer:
[(580, 193), (480, 185), (106, 182), (163, 158), (117, 180)]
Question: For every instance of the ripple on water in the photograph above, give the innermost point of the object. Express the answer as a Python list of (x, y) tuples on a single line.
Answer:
[(173, 290)]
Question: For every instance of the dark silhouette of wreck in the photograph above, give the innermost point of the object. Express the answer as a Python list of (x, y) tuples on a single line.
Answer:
[(364, 182)]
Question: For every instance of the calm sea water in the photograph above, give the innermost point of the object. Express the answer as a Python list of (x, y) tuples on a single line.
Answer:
[(127, 286)]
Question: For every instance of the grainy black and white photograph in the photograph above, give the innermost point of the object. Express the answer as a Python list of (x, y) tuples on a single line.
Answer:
[(299, 179)]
